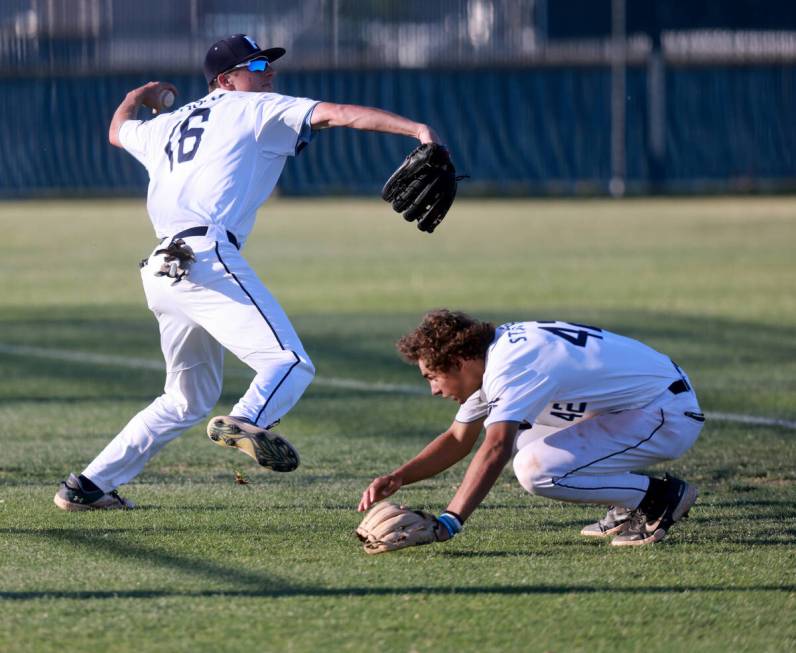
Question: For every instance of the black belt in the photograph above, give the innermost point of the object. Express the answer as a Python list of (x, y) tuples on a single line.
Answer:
[(202, 231), (679, 387)]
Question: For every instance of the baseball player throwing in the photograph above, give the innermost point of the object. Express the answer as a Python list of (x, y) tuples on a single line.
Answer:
[(579, 408), (211, 164)]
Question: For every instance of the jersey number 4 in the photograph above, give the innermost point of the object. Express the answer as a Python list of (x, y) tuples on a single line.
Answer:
[(187, 137), (578, 336)]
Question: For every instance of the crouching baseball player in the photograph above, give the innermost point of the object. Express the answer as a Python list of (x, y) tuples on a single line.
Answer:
[(579, 408), (211, 164)]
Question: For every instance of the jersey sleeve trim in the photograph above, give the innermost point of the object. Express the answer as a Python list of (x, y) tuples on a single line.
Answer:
[(306, 134), (469, 421)]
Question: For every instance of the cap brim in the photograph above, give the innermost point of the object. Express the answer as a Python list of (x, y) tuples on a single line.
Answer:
[(272, 54)]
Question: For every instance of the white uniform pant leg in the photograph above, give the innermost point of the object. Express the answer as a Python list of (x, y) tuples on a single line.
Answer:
[(593, 460), (194, 365), (239, 311)]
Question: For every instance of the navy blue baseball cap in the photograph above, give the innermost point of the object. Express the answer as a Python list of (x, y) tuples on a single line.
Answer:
[(227, 53)]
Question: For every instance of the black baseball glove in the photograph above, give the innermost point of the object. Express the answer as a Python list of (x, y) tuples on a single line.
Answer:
[(424, 186)]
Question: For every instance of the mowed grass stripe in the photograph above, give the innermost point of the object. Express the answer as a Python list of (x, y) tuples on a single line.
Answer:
[(90, 358)]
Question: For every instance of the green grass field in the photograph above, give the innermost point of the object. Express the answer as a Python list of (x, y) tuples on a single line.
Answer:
[(210, 565)]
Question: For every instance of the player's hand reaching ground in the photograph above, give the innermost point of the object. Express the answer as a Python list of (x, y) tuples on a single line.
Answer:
[(380, 488), (388, 527)]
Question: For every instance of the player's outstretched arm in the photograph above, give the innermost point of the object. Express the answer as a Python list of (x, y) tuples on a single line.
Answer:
[(484, 468), (445, 450), (330, 114), (149, 95), (389, 527)]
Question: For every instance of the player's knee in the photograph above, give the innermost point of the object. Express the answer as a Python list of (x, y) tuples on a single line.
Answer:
[(195, 398), (531, 472), (308, 367), (302, 374), (295, 363)]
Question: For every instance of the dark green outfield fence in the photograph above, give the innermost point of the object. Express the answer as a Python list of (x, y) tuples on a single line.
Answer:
[(543, 130)]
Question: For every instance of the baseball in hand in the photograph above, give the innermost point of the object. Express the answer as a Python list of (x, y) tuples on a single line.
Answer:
[(167, 98)]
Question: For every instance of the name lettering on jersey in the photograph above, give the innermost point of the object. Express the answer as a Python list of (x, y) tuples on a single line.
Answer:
[(569, 412), (198, 103), (577, 336), (515, 332)]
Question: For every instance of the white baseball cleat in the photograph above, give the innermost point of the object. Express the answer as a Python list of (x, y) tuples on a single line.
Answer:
[(268, 448)]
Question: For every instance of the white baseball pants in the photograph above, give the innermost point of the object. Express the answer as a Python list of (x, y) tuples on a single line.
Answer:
[(593, 460), (222, 304)]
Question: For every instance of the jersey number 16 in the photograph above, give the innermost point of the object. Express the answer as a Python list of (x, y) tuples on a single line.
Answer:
[(187, 134)]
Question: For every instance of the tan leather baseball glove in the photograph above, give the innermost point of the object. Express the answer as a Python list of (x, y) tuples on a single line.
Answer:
[(388, 527)]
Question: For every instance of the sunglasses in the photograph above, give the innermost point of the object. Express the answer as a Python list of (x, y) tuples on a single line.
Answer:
[(255, 65)]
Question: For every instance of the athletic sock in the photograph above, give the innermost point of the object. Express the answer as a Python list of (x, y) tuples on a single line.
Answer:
[(87, 484), (654, 502)]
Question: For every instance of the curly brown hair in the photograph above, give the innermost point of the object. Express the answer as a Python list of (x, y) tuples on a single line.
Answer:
[(445, 338)]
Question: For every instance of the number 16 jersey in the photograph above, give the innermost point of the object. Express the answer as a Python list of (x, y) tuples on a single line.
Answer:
[(214, 161), (557, 373)]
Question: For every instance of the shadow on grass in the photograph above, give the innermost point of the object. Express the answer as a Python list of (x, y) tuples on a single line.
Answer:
[(775, 518), (256, 584), (754, 503), (323, 592), (496, 554), (252, 580), (361, 346), (197, 508)]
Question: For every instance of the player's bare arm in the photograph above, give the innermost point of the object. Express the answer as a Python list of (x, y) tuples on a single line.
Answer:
[(424, 186), (388, 526), (330, 114), (147, 95), (444, 451), (485, 468)]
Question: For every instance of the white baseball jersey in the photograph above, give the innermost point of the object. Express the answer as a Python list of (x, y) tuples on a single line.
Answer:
[(214, 161), (557, 373)]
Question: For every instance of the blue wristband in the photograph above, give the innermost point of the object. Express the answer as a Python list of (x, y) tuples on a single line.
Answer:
[(451, 523)]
